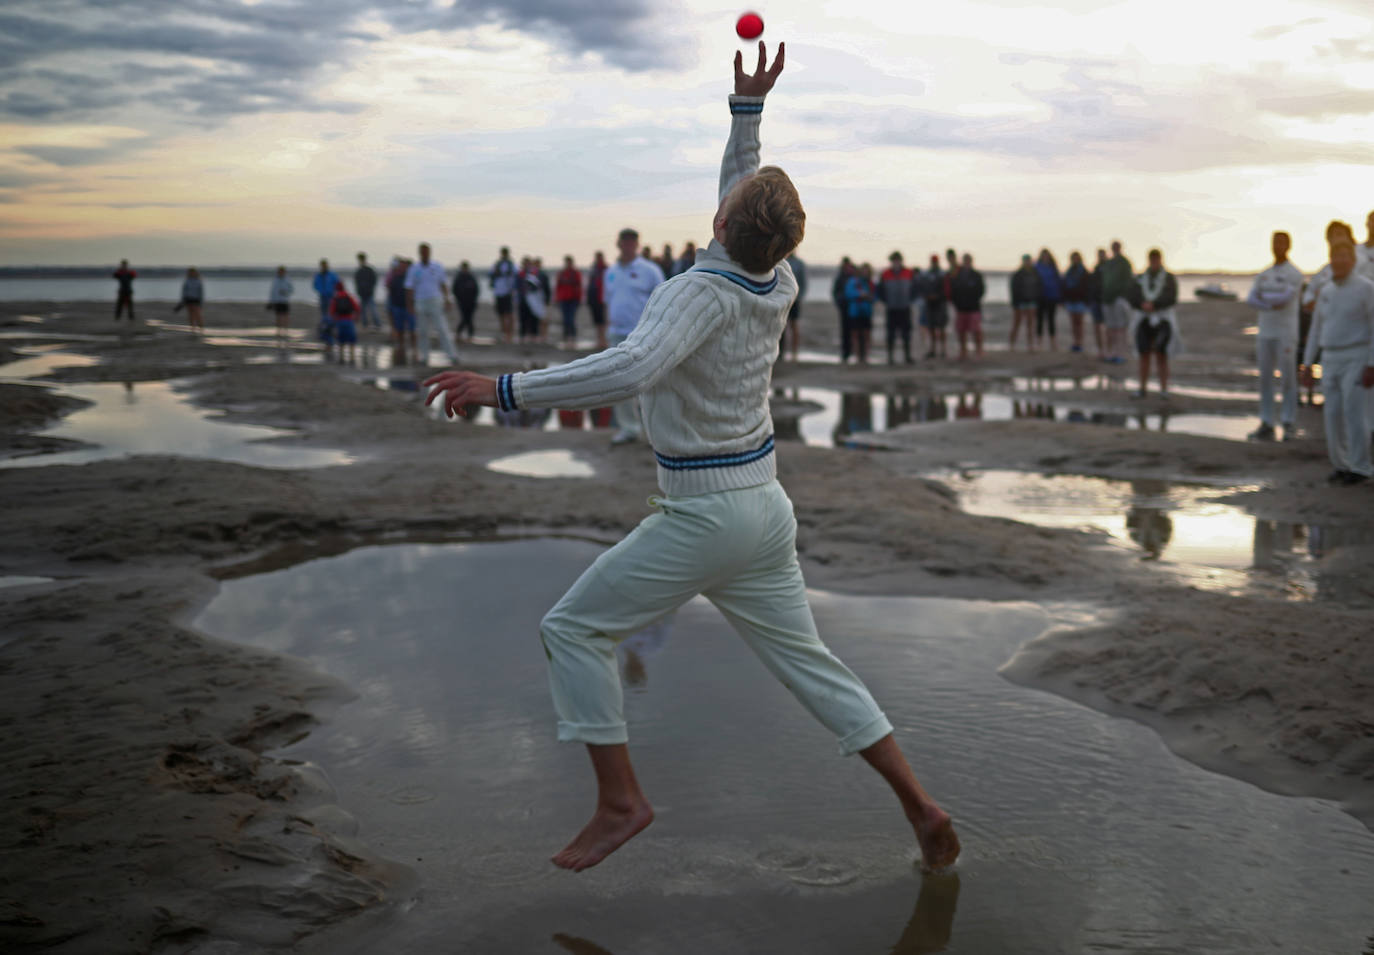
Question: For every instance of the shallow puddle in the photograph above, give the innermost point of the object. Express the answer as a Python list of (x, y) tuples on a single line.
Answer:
[(1182, 527), (40, 360), (544, 464), (19, 581), (129, 418), (1081, 831)]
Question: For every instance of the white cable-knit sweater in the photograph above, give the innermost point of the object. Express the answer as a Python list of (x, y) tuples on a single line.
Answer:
[(701, 359)]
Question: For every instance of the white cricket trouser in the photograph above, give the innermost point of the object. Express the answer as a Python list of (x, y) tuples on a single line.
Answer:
[(738, 549), (1273, 353), (1343, 410), (429, 320), (625, 413)]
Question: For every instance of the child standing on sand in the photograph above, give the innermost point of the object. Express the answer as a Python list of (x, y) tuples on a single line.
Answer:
[(700, 361), (343, 311)]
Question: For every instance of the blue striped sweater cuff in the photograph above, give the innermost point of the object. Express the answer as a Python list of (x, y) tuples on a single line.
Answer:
[(505, 393), (746, 109)]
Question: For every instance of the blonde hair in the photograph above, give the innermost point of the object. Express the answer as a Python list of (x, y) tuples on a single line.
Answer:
[(765, 220)]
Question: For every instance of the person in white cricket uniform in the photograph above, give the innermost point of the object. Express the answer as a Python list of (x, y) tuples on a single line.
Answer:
[(626, 288), (701, 362), (427, 299), (1343, 332), (1275, 298)]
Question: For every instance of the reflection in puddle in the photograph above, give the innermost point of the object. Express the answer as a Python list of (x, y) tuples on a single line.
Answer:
[(17, 581), (1180, 525), (766, 840), (544, 464), (128, 418), (825, 417), (43, 360)]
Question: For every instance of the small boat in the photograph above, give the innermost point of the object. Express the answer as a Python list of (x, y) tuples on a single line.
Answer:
[(1216, 293)]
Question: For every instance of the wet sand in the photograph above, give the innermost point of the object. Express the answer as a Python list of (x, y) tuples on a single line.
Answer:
[(1276, 691)]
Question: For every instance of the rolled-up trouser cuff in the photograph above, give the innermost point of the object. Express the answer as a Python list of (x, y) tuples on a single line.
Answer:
[(865, 736), (605, 734)]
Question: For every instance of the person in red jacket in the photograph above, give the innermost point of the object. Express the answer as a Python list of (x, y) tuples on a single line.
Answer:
[(125, 300), (568, 293), (343, 311)]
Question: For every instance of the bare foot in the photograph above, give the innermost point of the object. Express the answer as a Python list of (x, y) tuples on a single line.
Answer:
[(609, 829), (939, 844)]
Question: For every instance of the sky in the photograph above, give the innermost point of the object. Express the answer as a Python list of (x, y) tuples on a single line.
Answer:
[(251, 132)]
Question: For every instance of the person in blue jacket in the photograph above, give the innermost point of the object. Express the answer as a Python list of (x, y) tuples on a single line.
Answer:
[(858, 296), (326, 280), (1050, 297)]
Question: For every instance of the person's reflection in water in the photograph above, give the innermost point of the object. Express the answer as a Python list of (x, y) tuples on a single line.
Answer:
[(1149, 524), (368, 357), (129, 397), (932, 924), (787, 427), (970, 407), (901, 409), (933, 408), (638, 650), (1272, 539), (856, 416)]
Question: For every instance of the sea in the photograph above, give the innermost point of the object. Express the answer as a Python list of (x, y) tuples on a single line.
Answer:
[(246, 285)]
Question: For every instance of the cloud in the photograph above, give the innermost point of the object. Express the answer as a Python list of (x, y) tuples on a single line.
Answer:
[(83, 155)]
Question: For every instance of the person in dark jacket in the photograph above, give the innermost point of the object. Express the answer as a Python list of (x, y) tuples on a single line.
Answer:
[(1025, 293), (859, 294), (1155, 326), (402, 320), (1095, 305), (966, 291), (896, 287), (365, 282), (465, 294), (596, 298), (935, 293), (839, 295), (1077, 287), (1050, 296), (125, 298)]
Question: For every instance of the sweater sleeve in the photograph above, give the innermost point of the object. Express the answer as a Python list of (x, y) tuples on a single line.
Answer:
[(1314, 338), (677, 319), (742, 148)]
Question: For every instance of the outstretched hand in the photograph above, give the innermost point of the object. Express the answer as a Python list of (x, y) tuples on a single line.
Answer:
[(763, 79), (461, 390)]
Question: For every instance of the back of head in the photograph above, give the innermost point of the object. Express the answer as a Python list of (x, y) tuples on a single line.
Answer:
[(765, 221)]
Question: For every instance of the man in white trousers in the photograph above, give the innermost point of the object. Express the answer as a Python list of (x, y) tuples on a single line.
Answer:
[(427, 298), (1343, 332), (701, 362), (1275, 296)]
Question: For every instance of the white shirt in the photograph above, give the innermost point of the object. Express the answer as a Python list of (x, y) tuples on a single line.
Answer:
[(426, 280), (1344, 318), (1276, 298), (503, 277), (626, 290)]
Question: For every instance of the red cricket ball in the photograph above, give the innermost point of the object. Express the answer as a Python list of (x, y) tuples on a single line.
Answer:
[(749, 26)]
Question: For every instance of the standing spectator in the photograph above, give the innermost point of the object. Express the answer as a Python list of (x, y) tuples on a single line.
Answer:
[(966, 291), (527, 322), (1096, 306), (859, 294), (124, 297), (1118, 280), (895, 289), (1155, 325), (343, 312), (667, 263), (1025, 293), (402, 318), (365, 281), (569, 295), (596, 298), (546, 297), (689, 258), (793, 329), (325, 281), (1343, 332), (952, 261), (1077, 285), (1275, 298), (192, 296), (465, 294), (839, 295), (426, 299), (1048, 303), (935, 291), (279, 299), (503, 288), (628, 282)]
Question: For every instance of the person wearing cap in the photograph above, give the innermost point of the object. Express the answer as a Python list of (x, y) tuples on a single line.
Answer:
[(626, 287)]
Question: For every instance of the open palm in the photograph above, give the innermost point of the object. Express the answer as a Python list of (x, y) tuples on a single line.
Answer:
[(763, 79)]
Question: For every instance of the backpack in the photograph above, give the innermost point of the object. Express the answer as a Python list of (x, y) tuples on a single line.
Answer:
[(343, 306)]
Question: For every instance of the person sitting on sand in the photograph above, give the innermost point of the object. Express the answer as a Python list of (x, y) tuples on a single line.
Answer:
[(701, 360), (1155, 327), (343, 312), (1343, 332)]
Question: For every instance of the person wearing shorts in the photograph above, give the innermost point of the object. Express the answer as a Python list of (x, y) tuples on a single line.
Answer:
[(344, 310), (1155, 329), (503, 288), (402, 320), (966, 291), (279, 300), (596, 298), (1025, 293)]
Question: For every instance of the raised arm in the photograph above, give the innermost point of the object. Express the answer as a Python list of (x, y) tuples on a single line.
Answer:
[(746, 110)]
